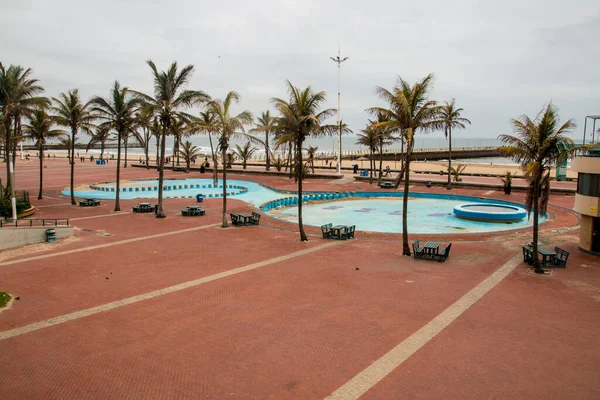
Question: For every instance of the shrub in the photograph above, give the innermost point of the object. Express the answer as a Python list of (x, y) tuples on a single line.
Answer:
[(4, 299), (6, 209)]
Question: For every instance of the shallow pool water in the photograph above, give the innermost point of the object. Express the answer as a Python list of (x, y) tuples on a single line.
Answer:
[(427, 213)]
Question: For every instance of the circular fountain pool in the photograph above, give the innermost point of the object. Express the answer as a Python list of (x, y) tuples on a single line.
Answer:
[(490, 212)]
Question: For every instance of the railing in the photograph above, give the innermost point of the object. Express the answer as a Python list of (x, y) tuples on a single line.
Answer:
[(34, 222)]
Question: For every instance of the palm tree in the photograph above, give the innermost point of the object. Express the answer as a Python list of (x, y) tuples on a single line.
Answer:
[(72, 113), (227, 126), (189, 152), (370, 139), (144, 120), (266, 124), (179, 128), (118, 113), (18, 99), (39, 130), (207, 123), (300, 118), (169, 98), (450, 116), (244, 152), (101, 136), (312, 153), (410, 112), (537, 145)]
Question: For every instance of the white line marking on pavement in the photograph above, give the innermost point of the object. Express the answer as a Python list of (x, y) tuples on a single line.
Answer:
[(155, 293), (101, 246), (370, 376), (101, 216), (488, 192)]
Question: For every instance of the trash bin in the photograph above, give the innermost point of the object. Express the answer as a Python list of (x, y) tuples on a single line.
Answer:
[(199, 197), (50, 235)]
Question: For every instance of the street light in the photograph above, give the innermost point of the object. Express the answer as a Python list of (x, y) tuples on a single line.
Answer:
[(339, 62)]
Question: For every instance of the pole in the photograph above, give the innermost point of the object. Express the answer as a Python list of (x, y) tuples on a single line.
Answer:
[(339, 60), (339, 161), (584, 128), (13, 199)]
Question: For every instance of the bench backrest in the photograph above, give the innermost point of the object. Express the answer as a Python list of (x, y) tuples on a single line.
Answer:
[(447, 250), (562, 254)]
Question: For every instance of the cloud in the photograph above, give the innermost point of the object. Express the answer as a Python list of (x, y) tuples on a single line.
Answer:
[(498, 59)]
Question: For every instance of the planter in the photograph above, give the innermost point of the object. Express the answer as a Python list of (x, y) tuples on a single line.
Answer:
[(507, 189), (26, 213)]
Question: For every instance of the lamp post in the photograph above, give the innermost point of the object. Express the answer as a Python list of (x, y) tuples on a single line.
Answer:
[(339, 62)]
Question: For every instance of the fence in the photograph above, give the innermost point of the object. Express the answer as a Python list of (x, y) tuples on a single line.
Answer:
[(21, 223)]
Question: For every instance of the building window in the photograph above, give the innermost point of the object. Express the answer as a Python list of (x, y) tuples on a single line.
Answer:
[(588, 184)]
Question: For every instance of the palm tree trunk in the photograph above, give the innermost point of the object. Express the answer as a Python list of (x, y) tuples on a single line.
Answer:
[(290, 158), (7, 143), (157, 151), (267, 150), (401, 152), (300, 170), (147, 147), (177, 149), (405, 246), (161, 165), (449, 156), (102, 150), (41, 168), (536, 210), (371, 167), (380, 161), (118, 194), (214, 158), (224, 155), (125, 140), (73, 133)]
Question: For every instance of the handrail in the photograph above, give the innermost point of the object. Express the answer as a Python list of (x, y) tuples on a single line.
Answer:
[(33, 222)]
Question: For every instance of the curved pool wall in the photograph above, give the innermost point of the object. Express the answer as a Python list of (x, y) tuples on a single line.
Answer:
[(268, 200), (490, 212)]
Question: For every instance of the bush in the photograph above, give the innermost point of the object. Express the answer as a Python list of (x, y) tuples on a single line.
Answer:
[(6, 209), (4, 299)]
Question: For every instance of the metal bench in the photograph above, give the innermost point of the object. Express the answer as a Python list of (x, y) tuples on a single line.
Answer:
[(255, 220), (561, 257), (349, 232), (326, 230)]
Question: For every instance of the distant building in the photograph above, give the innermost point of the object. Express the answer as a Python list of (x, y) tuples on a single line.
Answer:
[(587, 199)]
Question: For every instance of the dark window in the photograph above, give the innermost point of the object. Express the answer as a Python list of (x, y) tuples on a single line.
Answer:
[(588, 184)]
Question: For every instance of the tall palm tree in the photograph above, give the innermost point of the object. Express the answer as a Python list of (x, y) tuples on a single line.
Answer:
[(301, 117), (144, 120), (72, 113), (207, 123), (370, 139), (101, 136), (410, 112), (39, 130), (18, 99), (312, 153), (244, 152), (267, 124), (450, 116), (227, 126), (189, 152), (168, 101), (119, 113), (538, 145), (179, 129)]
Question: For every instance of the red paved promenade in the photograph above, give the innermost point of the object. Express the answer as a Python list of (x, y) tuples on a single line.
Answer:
[(194, 311)]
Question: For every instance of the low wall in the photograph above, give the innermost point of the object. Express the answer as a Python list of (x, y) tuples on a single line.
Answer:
[(16, 237)]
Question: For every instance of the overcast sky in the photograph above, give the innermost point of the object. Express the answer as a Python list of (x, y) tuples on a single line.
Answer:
[(499, 59)]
